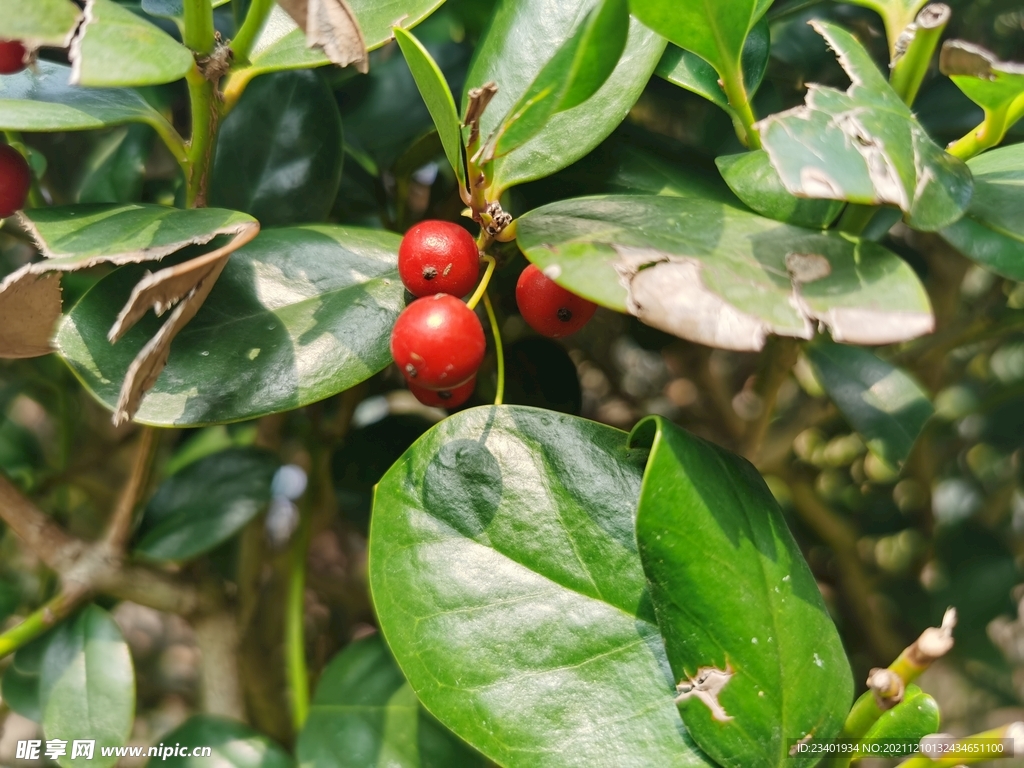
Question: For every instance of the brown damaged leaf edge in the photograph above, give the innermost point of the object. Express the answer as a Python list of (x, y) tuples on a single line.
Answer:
[(30, 297), (332, 26), (667, 292), (960, 58), (184, 285)]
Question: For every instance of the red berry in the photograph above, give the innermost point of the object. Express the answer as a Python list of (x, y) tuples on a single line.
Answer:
[(445, 398), (12, 57), (15, 178), (548, 308), (438, 257), (438, 342)]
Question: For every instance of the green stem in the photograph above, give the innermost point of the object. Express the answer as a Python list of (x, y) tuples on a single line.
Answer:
[(911, 67), (250, 30), (482, 287), (38, 622), (295, 634), (205, 118), (499, 351), (856, 218), (987, 135), (198, 34), (736, 92)]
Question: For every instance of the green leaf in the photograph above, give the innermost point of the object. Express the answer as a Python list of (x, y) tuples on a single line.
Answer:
[(115, 47), (20, 692), (42, 100), (438, 98), (865, 146), (283, 45), (896, 14), (577, 70), (748, 636), (715, 31), (988, 82), (505, 577), (233, 745), (512, 53), (882, 402), (87, 686), (279, 152), (721, 276), (912, 719), (751, 176), (992, 232), (299, 314), (365, 714), (690, 71), (172, 9), (205, 504), (114, 169), (39, 22)]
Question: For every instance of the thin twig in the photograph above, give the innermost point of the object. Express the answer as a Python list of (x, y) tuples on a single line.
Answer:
[(778, 360), (41, 535), (119, 528)]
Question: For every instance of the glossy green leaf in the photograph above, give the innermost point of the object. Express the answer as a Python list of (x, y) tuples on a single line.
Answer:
[(299, 314), (865, 146), (576, 71), (116, 48), (39, 22), (283, 45), (205, 504), (365, 715), (114, 169), (751, 176), (279, 152), (715, 31), (87, 686), (42, 100), (20, 692), (438, 98), (232, 744), (505, 577), (882, 402), (992, 232), (517, 44), (688, 70), (721, 276), (912, 719), (988, 82), (757, 657)]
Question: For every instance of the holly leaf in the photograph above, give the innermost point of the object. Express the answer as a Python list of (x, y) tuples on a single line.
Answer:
[(992, 232), (87, 686), (721, 276), (540, 649), (514, 50), (365, 714), (756, 657), (114, 47), (883, 403), (688, 70), (988, 82), (232, 745), (577, 70), (299, 314), (438, 98), (39, 23), (865, 146), (751, 176)]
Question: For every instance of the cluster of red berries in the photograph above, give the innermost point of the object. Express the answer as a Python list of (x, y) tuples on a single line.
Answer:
[(438, 341), (15, 175)]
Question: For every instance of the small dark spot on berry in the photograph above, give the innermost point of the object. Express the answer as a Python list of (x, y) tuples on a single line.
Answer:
[(410, 370), (564, 314), (429, 273), (444, 395)]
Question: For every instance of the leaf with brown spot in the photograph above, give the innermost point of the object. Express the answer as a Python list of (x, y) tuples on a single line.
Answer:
[(865, 146), (718, 275), (82, 236), (990, 83), (331, 26)]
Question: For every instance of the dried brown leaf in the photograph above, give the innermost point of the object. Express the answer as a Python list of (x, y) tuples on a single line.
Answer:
[(332, 26), (29, 312)]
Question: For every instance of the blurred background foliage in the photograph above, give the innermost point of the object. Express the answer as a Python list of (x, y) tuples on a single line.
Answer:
[(890, 551)]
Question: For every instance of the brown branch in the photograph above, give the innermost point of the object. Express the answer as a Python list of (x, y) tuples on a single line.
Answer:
[(220, 682), (777, 361), (841, 538), (119, 528), (41, 535)]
